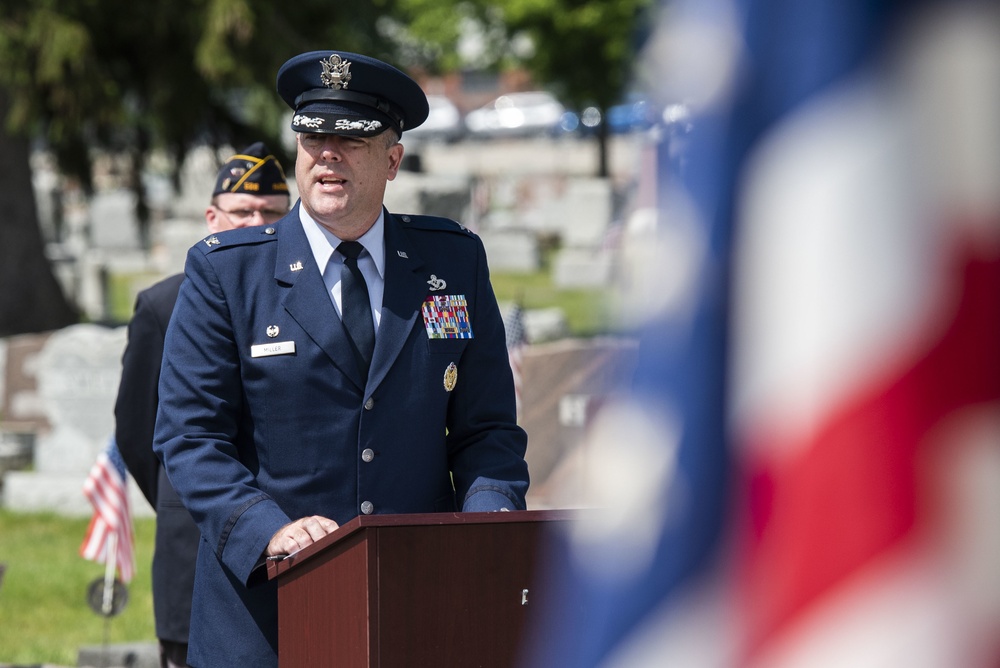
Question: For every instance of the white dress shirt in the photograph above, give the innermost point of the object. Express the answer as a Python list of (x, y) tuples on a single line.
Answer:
[(324, 243)]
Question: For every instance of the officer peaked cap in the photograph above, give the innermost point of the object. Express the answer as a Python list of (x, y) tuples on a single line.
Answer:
[(336, 92)]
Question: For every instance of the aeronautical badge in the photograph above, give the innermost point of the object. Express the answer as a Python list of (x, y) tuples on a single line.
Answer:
[(450, 377), (447, 317), (212, 241), (436, 283), (336, 72)]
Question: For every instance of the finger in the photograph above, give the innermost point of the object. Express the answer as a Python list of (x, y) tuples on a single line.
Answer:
[(317, 527)]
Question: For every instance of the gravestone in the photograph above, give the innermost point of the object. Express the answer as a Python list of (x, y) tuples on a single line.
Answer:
[(577, 267), (77, 374), (512, 250), (113, 221), (579, 211), (20, 406)]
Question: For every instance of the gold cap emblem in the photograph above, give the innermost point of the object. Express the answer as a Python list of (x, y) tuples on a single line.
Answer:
[(450, 377)]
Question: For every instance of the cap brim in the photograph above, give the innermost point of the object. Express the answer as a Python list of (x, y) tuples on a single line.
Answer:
[(329, 117)]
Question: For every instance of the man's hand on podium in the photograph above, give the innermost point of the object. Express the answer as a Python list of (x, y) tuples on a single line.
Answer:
[(299, 534)]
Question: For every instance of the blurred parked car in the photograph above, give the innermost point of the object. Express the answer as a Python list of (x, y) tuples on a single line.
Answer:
[(636, 114), (444, 122), (526, 114)]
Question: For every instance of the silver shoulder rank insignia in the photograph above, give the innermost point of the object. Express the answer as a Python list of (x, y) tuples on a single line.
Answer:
[(450, 377), (212, 241), (272, 331), (296, 267), (336, 72), (436, 283)]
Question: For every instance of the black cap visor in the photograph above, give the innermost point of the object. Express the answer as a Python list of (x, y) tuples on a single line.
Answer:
[(341, 118)]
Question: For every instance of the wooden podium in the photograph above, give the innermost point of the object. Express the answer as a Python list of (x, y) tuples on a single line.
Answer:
[(442, 589)]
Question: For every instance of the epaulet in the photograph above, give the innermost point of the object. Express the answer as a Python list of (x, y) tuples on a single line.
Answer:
[(243, 236), (432, 223)]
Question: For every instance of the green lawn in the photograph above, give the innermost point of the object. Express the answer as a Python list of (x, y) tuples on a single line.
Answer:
[(586, 311), (44, 616)]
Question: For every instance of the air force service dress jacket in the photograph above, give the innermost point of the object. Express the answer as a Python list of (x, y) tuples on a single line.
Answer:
[(265, 418)]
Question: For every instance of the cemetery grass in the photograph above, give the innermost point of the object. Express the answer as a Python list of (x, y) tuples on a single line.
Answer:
[(44, 615), (587, 311)]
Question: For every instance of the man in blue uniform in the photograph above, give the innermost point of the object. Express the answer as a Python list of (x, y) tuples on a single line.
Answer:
[(250, 189), (306, 380)]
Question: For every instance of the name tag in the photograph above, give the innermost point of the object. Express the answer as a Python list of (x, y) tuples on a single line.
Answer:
[(268, 349)]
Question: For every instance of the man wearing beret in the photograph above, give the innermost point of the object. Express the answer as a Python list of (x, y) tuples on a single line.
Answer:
[(250, 189), (341, 361)]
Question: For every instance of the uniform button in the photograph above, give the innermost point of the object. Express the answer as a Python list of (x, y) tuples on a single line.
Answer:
[(370, 404), (269, 230), (367, 507), (367, 454)]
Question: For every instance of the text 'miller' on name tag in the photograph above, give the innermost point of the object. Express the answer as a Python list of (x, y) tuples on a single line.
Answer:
[(268, 349)]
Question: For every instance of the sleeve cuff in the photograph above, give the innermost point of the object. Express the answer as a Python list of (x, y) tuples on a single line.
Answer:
[(486, 501)]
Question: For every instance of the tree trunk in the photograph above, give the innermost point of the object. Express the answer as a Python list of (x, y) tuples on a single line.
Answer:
[(31, 299), (603, 141)]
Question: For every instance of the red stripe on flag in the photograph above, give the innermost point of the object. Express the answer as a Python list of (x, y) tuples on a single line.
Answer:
[(107, 492), (853, 494)]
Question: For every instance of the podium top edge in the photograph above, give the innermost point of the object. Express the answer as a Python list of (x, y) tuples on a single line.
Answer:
[(277, 567)]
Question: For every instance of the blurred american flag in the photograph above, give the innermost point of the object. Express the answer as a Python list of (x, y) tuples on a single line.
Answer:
[(805, 471), (106, 489)]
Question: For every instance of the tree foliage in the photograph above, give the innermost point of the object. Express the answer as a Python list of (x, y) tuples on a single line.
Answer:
[(583, 50), (134, 76)]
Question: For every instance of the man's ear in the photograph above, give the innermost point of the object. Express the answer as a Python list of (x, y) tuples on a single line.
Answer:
[(395, 160), (213, 220)]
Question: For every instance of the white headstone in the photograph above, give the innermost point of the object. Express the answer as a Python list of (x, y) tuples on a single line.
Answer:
[(78, 372)]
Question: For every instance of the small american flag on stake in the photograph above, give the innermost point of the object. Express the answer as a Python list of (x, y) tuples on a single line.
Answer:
[(516, 342), (110, 530)]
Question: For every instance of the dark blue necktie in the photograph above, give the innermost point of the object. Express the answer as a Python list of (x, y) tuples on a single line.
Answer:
[(355, 306)]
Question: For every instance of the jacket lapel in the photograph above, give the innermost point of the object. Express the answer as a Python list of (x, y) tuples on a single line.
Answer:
[(404, 294), (305, 297)]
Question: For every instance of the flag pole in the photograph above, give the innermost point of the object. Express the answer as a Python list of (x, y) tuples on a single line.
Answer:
[(110, 565)]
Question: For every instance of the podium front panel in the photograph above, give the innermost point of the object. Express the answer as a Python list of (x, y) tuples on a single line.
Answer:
[(413, 590), (324, 607), (442, 603)]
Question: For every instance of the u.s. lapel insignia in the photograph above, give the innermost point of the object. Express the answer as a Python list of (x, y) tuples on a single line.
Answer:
[(402, 254), (436, 283), (212, 241), (272, 331), (450, 377), (296, 267)]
